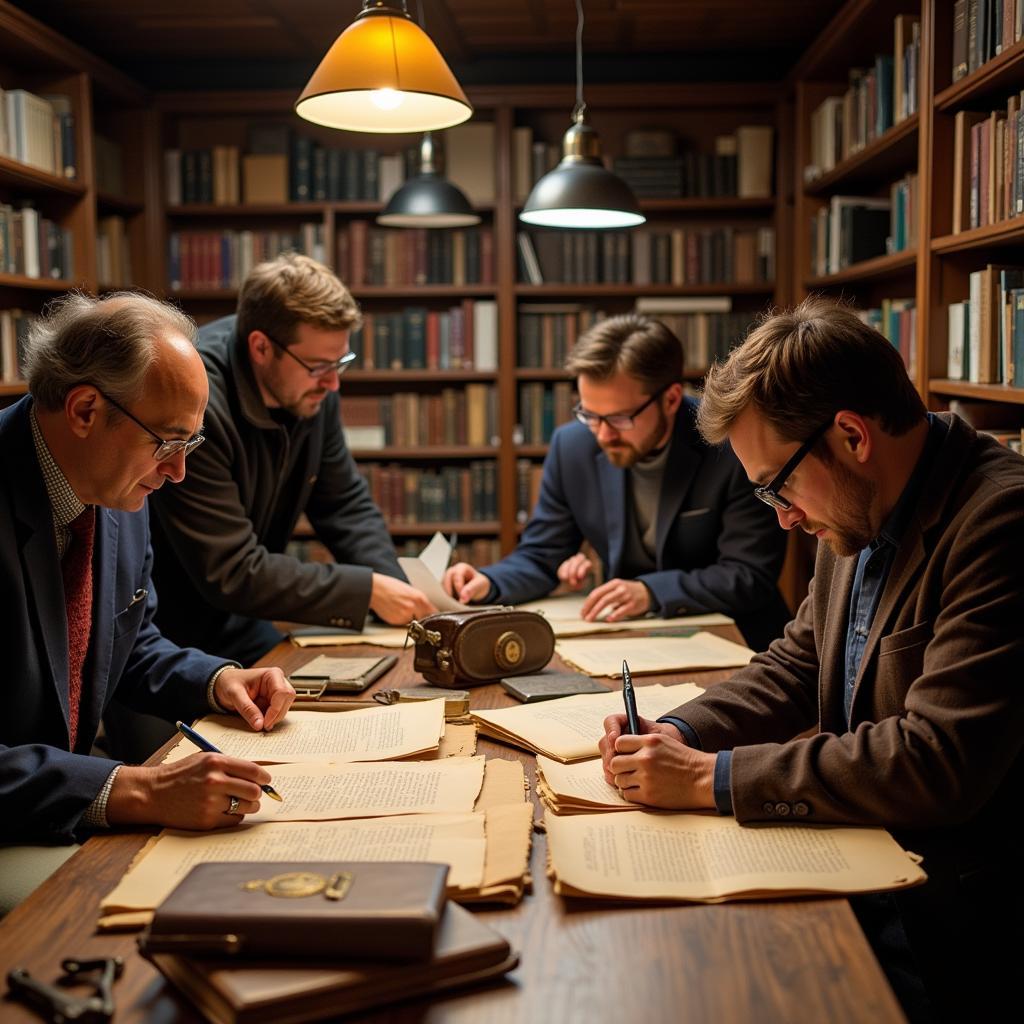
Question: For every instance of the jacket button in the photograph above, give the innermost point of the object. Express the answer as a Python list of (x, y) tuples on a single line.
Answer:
[(801, 810), (335, 622), (768, 808), (782, 810)]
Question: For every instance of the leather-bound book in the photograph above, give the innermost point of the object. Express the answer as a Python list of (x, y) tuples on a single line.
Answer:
[(384, 911)]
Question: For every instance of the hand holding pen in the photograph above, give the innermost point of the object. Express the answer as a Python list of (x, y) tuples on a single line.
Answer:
[(629, 698), (204, 744)]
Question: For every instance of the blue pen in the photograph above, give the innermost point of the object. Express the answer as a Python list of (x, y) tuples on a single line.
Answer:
[(204, 744), (629, 698)]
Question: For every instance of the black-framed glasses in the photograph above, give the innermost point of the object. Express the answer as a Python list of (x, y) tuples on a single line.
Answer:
[(317, 370), (164, 449), (769, 493), (617, 420)]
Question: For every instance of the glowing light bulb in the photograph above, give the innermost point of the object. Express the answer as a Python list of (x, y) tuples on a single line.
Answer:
[(386, 99)]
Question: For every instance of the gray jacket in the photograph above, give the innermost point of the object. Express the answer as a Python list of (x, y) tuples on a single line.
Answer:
[(221, 533)]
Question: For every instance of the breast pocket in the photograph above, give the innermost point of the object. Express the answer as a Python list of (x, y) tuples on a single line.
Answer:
[(900, 662), (129, 618), (694, 539)]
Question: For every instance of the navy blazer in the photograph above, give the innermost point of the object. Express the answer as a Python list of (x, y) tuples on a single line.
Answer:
[(718, 548), (44, 788)]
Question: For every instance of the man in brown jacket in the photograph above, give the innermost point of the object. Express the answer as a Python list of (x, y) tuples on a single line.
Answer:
[(905, 658)]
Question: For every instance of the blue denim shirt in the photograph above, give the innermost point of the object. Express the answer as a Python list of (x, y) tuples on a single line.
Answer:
[(873, 565)]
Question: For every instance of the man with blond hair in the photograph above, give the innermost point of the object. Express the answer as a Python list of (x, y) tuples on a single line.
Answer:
[(116, 399), (671, 518), (274, 450), (899, 677)]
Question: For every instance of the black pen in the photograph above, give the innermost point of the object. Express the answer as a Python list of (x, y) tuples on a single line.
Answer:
[(629, 699), (204, 744)]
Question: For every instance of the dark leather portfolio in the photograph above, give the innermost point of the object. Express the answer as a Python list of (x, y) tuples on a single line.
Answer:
[(387, 911), (276, 992)]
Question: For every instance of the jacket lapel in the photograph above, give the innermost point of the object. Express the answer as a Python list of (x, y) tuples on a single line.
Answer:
[(832, 680), (43, 583), (612, 481), (680, 469), (947, 465)]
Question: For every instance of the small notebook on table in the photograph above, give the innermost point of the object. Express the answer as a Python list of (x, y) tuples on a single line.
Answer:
[(550, 685), (326, 675)]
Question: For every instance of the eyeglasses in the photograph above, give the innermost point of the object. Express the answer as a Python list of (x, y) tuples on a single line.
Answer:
[(338, 366), (618, 420), (769, 493), (164, 449)]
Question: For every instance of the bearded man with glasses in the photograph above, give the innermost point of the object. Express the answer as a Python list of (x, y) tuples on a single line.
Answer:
[(900, 676), (117, 396), (672, 520), (275, 449)]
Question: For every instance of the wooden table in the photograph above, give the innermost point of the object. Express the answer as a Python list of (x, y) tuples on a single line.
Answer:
[(787, 960)]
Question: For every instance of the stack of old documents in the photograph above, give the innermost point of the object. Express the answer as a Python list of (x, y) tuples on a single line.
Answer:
[(347, 797)]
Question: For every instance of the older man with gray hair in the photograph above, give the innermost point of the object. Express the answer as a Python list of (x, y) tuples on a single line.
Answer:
[(116, 398)]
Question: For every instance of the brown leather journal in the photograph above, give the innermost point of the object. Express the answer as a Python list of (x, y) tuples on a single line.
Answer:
[(275, 992), (386, 911)]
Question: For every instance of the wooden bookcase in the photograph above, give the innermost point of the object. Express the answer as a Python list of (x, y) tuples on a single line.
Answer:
[(859, 32), (951, 258), (203, 120), (35, 58)]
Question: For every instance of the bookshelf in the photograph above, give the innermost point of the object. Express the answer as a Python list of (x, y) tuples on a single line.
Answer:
[(858, 106), (974, 119), (95, 99), (503, 117)]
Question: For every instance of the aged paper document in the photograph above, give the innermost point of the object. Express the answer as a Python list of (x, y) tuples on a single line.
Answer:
[(458, 840), (563, 612), (370, 734), (577, 788), (373, 789), (653, 654), (708, 859), (568, 728)]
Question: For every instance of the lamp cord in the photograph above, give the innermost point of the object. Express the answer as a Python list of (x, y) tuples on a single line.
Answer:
[(580, 109)]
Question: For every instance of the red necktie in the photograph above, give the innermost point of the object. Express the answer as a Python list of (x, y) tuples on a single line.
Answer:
[(76, 568)]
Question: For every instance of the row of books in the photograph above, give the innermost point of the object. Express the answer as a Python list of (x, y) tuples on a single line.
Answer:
[(982, 29), (876, 99), (113, 253), (988, 165), (306, 172), (897, 320), (546, 333), (14, 325), (34, 246), (986, 332), (464, 337), (707, 327), (542, 407), (741, 165), (851, 229), (38, 131), (223, 259), (387, 256), (276, 165), (411, 495), (683, 256), (466, 415)]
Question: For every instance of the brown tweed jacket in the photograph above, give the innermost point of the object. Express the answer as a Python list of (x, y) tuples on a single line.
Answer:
[(933, 750)]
